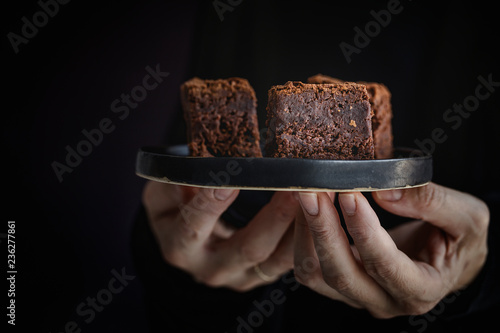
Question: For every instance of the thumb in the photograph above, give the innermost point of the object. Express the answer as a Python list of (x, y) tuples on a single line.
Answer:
[(453, 211)]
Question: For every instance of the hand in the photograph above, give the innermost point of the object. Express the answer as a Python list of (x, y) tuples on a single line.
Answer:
[(403, 271), (186, 223)]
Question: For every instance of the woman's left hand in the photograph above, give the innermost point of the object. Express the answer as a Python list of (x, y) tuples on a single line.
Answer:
[(403, 271)]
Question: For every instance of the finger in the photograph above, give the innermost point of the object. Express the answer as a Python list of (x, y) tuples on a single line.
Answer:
[(330, 241), (254, 243), (196, 219), (455, 212), (279, 263), (307, 269), (421, 241), (264, 242), (339, 266), (222, 230), (160, 198), (281, 260), (382, 260)]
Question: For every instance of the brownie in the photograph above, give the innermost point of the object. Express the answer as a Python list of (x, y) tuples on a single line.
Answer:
[(319, 121), (380, 101), (221, 117)]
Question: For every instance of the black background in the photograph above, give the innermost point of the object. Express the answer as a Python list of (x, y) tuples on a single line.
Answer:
[(70, 235)]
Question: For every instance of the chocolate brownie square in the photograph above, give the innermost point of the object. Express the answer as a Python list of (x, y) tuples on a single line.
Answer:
[(221, 117), (319, 121), (380, 101)]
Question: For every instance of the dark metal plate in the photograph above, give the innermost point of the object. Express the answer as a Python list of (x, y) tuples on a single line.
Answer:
[(409, 168)]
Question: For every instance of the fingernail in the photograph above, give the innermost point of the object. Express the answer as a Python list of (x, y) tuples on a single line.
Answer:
[(390, 195), (222, 194), (348, 203), (309, 202)]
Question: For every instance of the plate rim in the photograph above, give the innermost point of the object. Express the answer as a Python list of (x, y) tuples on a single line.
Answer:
[(160, 152)]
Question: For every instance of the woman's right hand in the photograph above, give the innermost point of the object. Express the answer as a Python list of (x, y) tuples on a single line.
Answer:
[(186, 222)]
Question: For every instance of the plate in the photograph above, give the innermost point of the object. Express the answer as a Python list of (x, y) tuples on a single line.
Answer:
[(408, 168)]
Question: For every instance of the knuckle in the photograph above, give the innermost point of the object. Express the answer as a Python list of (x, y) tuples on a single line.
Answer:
[(308, 275), (361, 234), (481, 217), (203, 201), (430, 198), (310, 280), (283, 206), (187, 232), (253, 254), (307, 271), (340, 282), (320, 231), (386, 270), (283, 213)]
